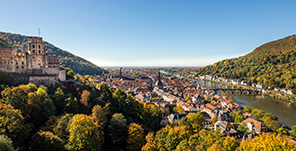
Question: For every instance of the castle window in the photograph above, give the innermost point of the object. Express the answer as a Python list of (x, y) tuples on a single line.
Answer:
[(7, 67), (39, 46), (22, 67), (54, 66), (33, 51), (39, 51), (33, 57), (22, 62), (11, 58), (33, 46), (48, 66), (17, 67)]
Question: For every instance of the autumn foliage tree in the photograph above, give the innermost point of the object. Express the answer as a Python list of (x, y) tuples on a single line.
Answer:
[(99, 116), (12, 124), (194, 121), (84, 134), (85, 97), (267, 141), (46, 141), (135, 139)]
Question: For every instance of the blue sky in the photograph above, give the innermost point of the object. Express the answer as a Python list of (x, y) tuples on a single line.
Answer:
[(152, 32)]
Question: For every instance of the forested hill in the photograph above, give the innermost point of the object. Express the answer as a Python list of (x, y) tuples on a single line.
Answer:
[(4, 42), (272, 64), (67, 59)]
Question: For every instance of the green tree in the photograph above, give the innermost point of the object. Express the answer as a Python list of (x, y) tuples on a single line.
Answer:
[(194, 121), (105, 92), (42, 93), (248, 109), (273, 125), (84, 134), (243, 129), (238, 119), (152, 118), (46, 141), (294, 91), (12, 124), (63, 126), (117, 129), (72, 105), (35, 107), (282, 130), (48, 108), (6, 143), (59, 100), (70, 74), (293, 131), (17, 98), (135, 139)]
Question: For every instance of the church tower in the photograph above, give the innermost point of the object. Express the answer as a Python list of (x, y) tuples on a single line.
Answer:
[(158, 82), (36, 51)]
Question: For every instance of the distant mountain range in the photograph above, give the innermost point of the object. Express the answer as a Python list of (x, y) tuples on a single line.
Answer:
[(272, 64), (67, 59)]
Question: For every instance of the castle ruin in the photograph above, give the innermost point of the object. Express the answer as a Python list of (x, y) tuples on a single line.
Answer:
[(32, 65)]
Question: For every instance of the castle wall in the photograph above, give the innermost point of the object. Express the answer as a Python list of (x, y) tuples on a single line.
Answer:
[(6, 59), (20, 79), (31, 66), (19, 61), (48, 80), (51, 71)]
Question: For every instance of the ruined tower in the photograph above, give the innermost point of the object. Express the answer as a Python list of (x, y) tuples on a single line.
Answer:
[(36, 51)]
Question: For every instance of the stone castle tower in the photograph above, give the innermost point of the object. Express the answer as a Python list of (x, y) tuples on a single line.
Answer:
[(33, 65)]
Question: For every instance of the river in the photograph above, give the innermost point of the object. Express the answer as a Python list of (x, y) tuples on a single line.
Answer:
[(285, 112)]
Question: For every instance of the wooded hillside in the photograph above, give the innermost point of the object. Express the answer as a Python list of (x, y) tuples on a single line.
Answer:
[(272, 64)]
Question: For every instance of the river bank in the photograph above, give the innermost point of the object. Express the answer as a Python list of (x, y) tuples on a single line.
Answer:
[(284, 110), (277, 95)]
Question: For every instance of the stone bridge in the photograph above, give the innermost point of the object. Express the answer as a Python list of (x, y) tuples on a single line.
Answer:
[(240, 91)]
